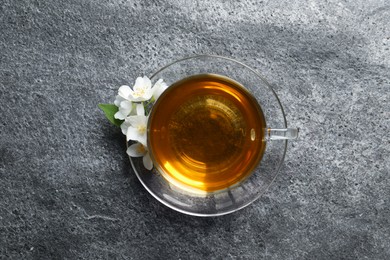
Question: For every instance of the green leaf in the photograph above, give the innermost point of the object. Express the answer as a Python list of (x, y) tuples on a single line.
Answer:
[(110, 110)]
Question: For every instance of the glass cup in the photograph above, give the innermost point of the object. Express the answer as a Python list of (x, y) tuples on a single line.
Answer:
[(245, 192)]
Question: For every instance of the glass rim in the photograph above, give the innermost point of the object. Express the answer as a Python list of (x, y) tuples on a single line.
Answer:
[(164, 202)]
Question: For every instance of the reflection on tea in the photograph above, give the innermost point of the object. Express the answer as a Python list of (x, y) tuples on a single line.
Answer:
[(206, 133)]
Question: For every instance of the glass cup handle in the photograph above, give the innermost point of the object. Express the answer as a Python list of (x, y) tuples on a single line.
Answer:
[(281, 134)]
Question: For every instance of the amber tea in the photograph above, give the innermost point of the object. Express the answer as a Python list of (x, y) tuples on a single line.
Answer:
[(206, 133)]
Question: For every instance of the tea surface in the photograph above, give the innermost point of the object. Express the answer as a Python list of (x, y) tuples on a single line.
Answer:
[(206, 133)]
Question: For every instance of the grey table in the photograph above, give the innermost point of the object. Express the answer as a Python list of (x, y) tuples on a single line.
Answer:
[(67, 190)]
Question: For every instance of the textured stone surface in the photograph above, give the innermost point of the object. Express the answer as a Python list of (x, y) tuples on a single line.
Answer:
[(66, 187)]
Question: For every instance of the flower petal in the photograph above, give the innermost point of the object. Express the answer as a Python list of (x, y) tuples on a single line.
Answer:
[(147, 161), (124, 92), (143, 140), (133, 110), (132, 134), (118, 100), (119, 115), (142, 83), (140, 110), (126, 107), (136, 150), (159, 87), (124, 126), (148, 94)]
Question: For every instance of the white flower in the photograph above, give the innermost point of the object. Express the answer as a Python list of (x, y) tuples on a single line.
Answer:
[(138, 150), (135, 126), (159, 87), (142, 90), (139, 110)]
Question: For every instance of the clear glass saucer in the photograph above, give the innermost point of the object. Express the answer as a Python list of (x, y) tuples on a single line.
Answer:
[(243, 194)]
